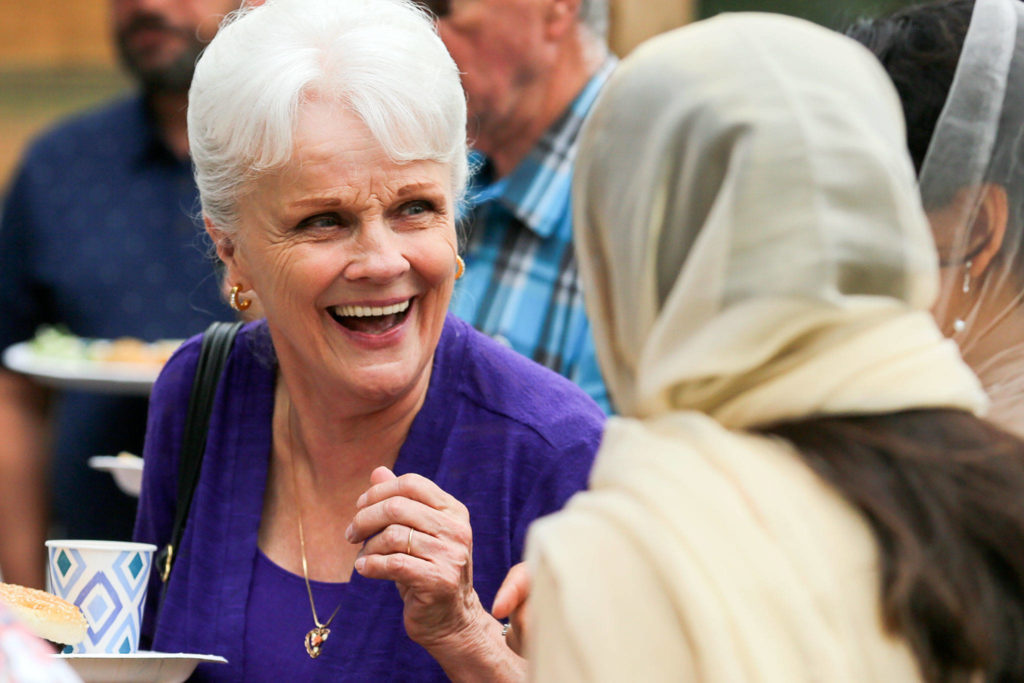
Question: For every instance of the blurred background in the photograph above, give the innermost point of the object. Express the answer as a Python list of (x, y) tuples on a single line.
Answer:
[(55, 55)]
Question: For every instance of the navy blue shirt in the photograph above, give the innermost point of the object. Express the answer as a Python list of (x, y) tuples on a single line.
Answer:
[(100, 233)]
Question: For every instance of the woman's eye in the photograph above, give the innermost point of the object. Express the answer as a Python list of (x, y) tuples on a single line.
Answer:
[(417, 208), (327, 220)]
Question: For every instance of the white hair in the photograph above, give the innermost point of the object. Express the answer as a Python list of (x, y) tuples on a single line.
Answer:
[(380, 59)]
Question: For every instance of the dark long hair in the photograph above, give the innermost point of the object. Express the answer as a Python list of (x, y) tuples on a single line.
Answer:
[(943, 492), (919, 46)]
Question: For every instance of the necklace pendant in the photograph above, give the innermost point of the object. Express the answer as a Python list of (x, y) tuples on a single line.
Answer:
[(315, 638)]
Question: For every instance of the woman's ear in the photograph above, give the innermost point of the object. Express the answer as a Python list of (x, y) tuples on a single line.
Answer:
[(990, 222), (225, 247)]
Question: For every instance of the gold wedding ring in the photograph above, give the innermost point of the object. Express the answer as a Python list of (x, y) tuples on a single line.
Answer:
[(408, 544)]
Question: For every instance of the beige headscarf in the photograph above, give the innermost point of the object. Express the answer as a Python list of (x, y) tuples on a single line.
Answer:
[(753, 249), (750, 238)]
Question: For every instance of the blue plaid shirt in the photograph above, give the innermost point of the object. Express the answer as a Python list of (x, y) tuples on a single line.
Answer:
[(521, 284)]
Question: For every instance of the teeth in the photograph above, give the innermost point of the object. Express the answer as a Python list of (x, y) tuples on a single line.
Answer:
[(367, 311)]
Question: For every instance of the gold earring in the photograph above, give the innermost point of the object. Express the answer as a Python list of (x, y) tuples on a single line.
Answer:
[(461, 266), (236, 302)]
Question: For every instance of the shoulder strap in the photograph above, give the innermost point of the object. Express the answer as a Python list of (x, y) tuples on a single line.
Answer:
[(213, 354)]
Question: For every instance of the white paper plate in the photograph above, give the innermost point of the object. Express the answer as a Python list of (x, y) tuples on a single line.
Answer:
[(84, 375), (126, 470), (139, 667)]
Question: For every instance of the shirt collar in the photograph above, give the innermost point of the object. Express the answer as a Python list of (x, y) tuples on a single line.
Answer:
[(537, 190), (143, 134)]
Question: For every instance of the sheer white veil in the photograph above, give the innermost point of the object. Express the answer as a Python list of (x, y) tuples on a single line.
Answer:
[(972, 185)]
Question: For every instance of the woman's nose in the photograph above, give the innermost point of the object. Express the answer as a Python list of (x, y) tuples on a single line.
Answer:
[(378, 255)]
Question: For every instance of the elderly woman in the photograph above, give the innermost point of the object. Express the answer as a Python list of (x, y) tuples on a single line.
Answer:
[(799, 488), (372, 464), (958, 66)]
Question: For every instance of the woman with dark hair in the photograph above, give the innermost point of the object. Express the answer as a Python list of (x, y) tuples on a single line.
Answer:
[(959, 69), (799, 486)]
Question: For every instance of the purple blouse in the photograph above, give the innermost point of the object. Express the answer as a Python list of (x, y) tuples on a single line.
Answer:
[(510, 439)]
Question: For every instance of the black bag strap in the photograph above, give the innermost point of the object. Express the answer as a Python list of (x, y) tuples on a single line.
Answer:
[(213, 354)]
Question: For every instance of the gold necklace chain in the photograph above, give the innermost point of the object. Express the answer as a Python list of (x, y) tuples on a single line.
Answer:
[(317, 635)]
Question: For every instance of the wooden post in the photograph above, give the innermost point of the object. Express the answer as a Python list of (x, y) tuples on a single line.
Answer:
[(633, 21), (54, 34)]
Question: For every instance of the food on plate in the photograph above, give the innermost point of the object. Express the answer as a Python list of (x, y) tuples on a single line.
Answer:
[(46, 615), (55, 341), (132, 350)]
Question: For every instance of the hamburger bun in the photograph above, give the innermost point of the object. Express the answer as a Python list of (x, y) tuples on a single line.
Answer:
[(46, 615)]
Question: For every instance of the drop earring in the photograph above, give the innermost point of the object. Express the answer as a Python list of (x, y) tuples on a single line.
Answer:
[(959, 324)]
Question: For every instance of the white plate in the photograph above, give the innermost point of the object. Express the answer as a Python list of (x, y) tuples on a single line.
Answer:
[(126, 469), (140, 667), (84, 375)]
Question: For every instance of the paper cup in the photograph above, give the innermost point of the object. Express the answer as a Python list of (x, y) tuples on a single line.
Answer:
[(108, 581)]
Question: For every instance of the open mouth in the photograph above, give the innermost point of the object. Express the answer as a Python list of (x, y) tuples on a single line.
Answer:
[(372, 319)]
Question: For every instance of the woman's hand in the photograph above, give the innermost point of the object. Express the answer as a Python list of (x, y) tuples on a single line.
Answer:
[(512, 602), (419, 536)]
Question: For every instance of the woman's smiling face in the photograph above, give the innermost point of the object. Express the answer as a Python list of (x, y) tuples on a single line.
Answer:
[(352, 256)]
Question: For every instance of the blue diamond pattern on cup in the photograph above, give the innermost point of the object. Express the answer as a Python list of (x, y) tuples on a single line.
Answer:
[(102, 588), (63, 563), (126, 577), (66, 569), (136, 566), (108, 587), (125, 634), (97, 608)]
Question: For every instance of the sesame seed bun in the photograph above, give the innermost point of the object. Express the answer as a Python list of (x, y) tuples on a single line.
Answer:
[(46, 615)]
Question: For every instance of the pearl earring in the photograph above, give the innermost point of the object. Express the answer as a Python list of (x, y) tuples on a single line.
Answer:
[(959, 324)]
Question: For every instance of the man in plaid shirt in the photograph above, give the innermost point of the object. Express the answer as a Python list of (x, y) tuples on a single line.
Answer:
[(531, 71)]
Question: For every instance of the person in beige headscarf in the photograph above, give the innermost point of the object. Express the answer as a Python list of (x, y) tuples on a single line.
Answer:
[(799, 487)]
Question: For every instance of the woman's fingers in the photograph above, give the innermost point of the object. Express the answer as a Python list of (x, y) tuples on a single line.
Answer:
[(381, 475), (402, 539), (412, 501), (512, 601), (412, 486), (452, 524), (513, 592), (515, 634), (411, 572), (419, 536), (418, 561), (412, 532)]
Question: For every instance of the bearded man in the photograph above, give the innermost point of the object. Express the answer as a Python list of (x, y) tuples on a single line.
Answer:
[(98, 234)]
